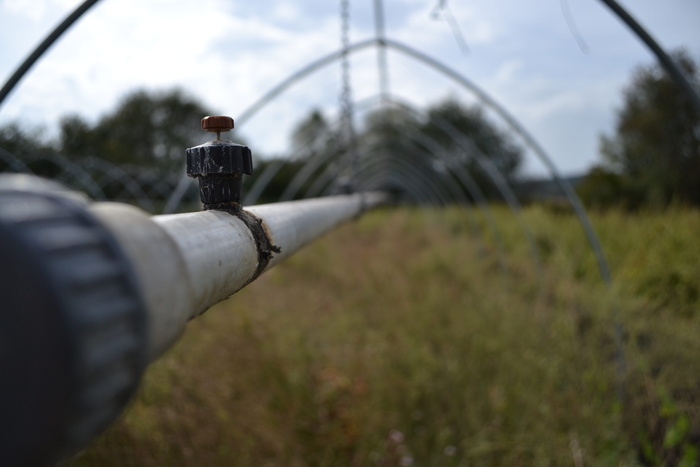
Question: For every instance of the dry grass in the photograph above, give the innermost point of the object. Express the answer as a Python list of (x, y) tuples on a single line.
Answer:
[(398, 340)]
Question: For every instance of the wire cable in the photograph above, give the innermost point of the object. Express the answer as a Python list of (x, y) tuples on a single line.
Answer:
[(568, 17), (444, 8)]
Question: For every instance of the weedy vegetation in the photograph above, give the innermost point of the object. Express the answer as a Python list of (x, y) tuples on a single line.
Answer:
[(411, 338)]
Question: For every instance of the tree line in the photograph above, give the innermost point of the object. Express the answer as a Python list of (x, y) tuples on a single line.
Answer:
[(651, 158), (147, 129), (150, 130), (447, 140)]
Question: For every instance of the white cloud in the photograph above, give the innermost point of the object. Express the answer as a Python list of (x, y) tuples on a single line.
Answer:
[(36, 10), (229, 53), (507, 73)]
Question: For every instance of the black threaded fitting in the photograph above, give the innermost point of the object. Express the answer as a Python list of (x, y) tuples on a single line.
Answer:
[(219, 166)]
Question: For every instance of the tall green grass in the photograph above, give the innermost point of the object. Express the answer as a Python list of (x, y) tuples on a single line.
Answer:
[(401, 340)]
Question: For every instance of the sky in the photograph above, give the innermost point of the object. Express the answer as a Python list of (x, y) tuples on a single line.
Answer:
[(563, 81)]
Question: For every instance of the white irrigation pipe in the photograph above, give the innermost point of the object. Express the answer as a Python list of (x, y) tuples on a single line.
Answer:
[(186, 263), (94, 292)]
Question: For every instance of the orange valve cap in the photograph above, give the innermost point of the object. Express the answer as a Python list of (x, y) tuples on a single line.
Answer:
[(217, 123)]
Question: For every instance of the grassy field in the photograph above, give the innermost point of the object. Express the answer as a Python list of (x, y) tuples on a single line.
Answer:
[(404, 339)]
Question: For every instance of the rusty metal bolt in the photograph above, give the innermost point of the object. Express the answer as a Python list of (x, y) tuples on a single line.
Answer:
[(219, 166)]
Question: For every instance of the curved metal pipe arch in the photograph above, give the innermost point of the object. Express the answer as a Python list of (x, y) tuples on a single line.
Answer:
[(380, 40), (438, 195), (323, 183), (447, 180), (468, 182), (379, 180), (404, 165), (529, 140), (566, 187), (117, 174), (262, 181), (493, 172), (41, 49), (307, 171), (13, 161), (432, 148), (383, 42), (66, 166)]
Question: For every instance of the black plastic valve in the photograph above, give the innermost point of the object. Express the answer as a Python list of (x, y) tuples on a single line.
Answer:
[(73, 324), (219, 166)]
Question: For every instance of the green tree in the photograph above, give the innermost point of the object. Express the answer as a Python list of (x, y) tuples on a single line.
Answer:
[(656, 144), (449, 121), (147, 129), (460, 134), (277, 185), (21, 141), (29, 146), (394, 133), (77, 138), (312, 136), (397, 134), (602, 188), (468, 135)]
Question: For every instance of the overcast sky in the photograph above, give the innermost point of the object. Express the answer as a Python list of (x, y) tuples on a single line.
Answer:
[(227, 53)]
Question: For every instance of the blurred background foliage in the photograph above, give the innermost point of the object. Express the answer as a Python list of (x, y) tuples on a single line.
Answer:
[(149, 131), (653, 156), (399, 340), (486, 367), (650, 159)]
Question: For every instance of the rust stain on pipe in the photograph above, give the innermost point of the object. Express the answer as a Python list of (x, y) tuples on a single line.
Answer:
[(263, 242)]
